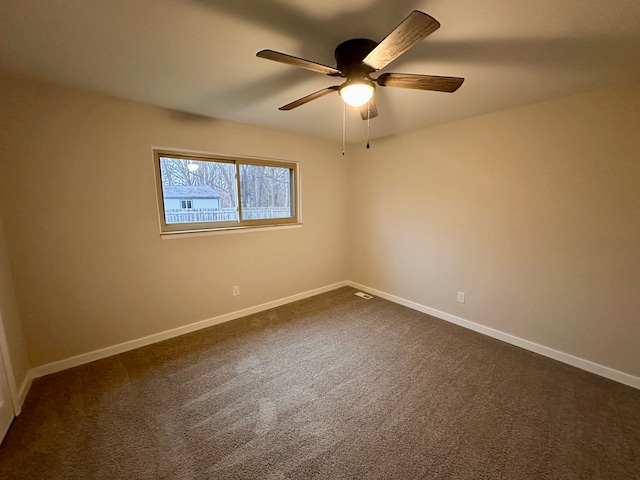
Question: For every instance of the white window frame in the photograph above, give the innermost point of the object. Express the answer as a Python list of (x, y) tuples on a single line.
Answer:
[(227, 226)]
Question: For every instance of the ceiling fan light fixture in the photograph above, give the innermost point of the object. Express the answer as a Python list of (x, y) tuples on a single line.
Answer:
[(357, 93)]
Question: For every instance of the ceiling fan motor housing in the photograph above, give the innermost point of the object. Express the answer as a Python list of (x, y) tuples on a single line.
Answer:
[(349, 56)]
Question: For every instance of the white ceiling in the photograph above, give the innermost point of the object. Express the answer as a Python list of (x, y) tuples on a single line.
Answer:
[(198, 56)]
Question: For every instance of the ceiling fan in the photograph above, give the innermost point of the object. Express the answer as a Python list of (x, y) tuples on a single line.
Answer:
[(358, 58)]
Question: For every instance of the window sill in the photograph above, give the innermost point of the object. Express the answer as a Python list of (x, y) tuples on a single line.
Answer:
[(225, 231)]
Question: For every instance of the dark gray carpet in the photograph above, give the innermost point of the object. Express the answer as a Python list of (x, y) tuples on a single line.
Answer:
[(330, 387)]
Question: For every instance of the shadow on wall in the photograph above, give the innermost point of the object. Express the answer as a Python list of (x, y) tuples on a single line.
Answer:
[(192, 118)]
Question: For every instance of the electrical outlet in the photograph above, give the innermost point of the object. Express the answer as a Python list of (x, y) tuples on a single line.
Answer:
[(461, 296), (236, 291)]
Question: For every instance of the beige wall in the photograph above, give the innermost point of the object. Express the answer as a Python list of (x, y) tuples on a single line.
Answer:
[(79, 206), (11, 321), (533, 212)]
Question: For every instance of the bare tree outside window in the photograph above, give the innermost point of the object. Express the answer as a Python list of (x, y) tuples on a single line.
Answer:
[(265, 187)]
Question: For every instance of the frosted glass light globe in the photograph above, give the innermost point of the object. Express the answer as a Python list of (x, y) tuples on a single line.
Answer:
[(356, 94)]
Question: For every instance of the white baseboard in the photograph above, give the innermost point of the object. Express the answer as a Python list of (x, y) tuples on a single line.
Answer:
[(23, 391), (81, 359), (567, 358)]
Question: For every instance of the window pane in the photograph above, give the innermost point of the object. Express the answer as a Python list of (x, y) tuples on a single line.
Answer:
[(201, 192), (265, 192), (210, 188)]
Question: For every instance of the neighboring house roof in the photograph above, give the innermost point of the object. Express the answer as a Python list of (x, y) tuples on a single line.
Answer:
[(188, 191)]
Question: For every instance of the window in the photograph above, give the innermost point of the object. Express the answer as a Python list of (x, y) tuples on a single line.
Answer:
[(201, 192)]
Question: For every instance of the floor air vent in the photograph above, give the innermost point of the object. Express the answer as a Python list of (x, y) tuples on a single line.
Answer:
[(366, 296)]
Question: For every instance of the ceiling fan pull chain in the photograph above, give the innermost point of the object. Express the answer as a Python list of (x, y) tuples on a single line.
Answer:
[(344, 126), (368, 120)]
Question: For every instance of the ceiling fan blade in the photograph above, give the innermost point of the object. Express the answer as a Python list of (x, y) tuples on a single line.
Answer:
[(420, 82), (308, 98), (298, 62), (369, 110), (412, 29)]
